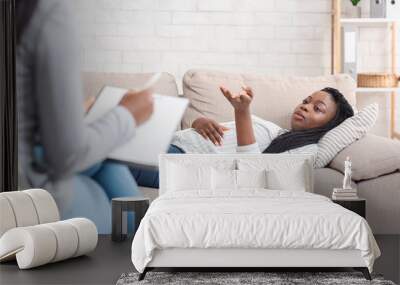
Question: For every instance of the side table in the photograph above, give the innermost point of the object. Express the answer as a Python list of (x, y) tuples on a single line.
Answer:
[(358, 205), (120, 208)]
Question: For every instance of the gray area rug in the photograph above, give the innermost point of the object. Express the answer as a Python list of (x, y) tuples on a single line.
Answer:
[(269, 278)]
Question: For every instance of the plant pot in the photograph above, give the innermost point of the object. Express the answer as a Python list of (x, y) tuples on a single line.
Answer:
[(354, 12)]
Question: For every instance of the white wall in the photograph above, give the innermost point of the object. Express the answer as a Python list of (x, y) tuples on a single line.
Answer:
[(277, 37)]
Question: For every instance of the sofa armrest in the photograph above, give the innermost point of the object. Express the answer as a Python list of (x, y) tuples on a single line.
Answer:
[(371, 156)]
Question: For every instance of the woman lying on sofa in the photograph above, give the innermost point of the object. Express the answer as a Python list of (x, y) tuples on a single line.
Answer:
[(311, 119)]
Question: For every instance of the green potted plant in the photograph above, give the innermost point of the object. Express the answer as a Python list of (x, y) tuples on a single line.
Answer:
[(355, 10)]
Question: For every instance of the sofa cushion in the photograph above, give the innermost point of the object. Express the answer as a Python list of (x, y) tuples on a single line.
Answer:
[(275, 97), (93, 82), (371, 156)]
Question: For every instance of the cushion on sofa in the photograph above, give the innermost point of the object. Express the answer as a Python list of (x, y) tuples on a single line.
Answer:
[(275, 97), (345, 134), (371, 156)]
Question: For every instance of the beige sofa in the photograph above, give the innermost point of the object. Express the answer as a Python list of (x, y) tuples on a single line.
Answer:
[(376, 160)]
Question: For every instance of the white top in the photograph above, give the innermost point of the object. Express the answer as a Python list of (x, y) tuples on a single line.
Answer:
[(264, 131)]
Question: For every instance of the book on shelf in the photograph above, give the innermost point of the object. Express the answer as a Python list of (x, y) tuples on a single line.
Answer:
[(344, 198), (344, 194), (341, 190)]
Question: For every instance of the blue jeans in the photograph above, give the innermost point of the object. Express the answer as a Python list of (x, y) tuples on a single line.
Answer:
[(150, 178), (116, 181)]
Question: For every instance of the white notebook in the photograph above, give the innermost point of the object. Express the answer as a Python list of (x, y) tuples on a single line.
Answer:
[(152, 137)]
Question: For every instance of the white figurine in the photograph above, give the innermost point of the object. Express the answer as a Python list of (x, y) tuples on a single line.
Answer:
[(347, 174)]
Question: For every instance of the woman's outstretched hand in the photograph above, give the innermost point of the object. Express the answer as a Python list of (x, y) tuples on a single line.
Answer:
[(241, 101), (241, 104), (209, 129)]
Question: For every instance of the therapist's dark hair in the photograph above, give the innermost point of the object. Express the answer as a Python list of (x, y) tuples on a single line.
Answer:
[(295, 139), (24, 10)]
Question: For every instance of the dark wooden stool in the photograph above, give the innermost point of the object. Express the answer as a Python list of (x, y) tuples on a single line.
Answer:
[(120, 208)]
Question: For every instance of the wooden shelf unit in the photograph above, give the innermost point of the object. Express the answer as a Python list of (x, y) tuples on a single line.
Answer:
[(377, 90), (337, 22), (367, 21)]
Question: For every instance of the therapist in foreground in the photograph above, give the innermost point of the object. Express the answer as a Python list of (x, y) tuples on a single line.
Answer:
[(57, 150)]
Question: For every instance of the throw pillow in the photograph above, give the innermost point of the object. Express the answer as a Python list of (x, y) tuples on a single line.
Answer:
[(346, 133), (371, 157)]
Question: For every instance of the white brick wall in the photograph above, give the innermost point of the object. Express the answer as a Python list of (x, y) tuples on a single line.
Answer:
[(277, 37)]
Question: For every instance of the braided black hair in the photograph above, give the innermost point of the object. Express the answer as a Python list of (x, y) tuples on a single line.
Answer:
[(295, 139)]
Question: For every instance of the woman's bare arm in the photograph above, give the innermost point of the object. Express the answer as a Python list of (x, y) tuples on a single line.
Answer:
[(244, 128), (241, 104)]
